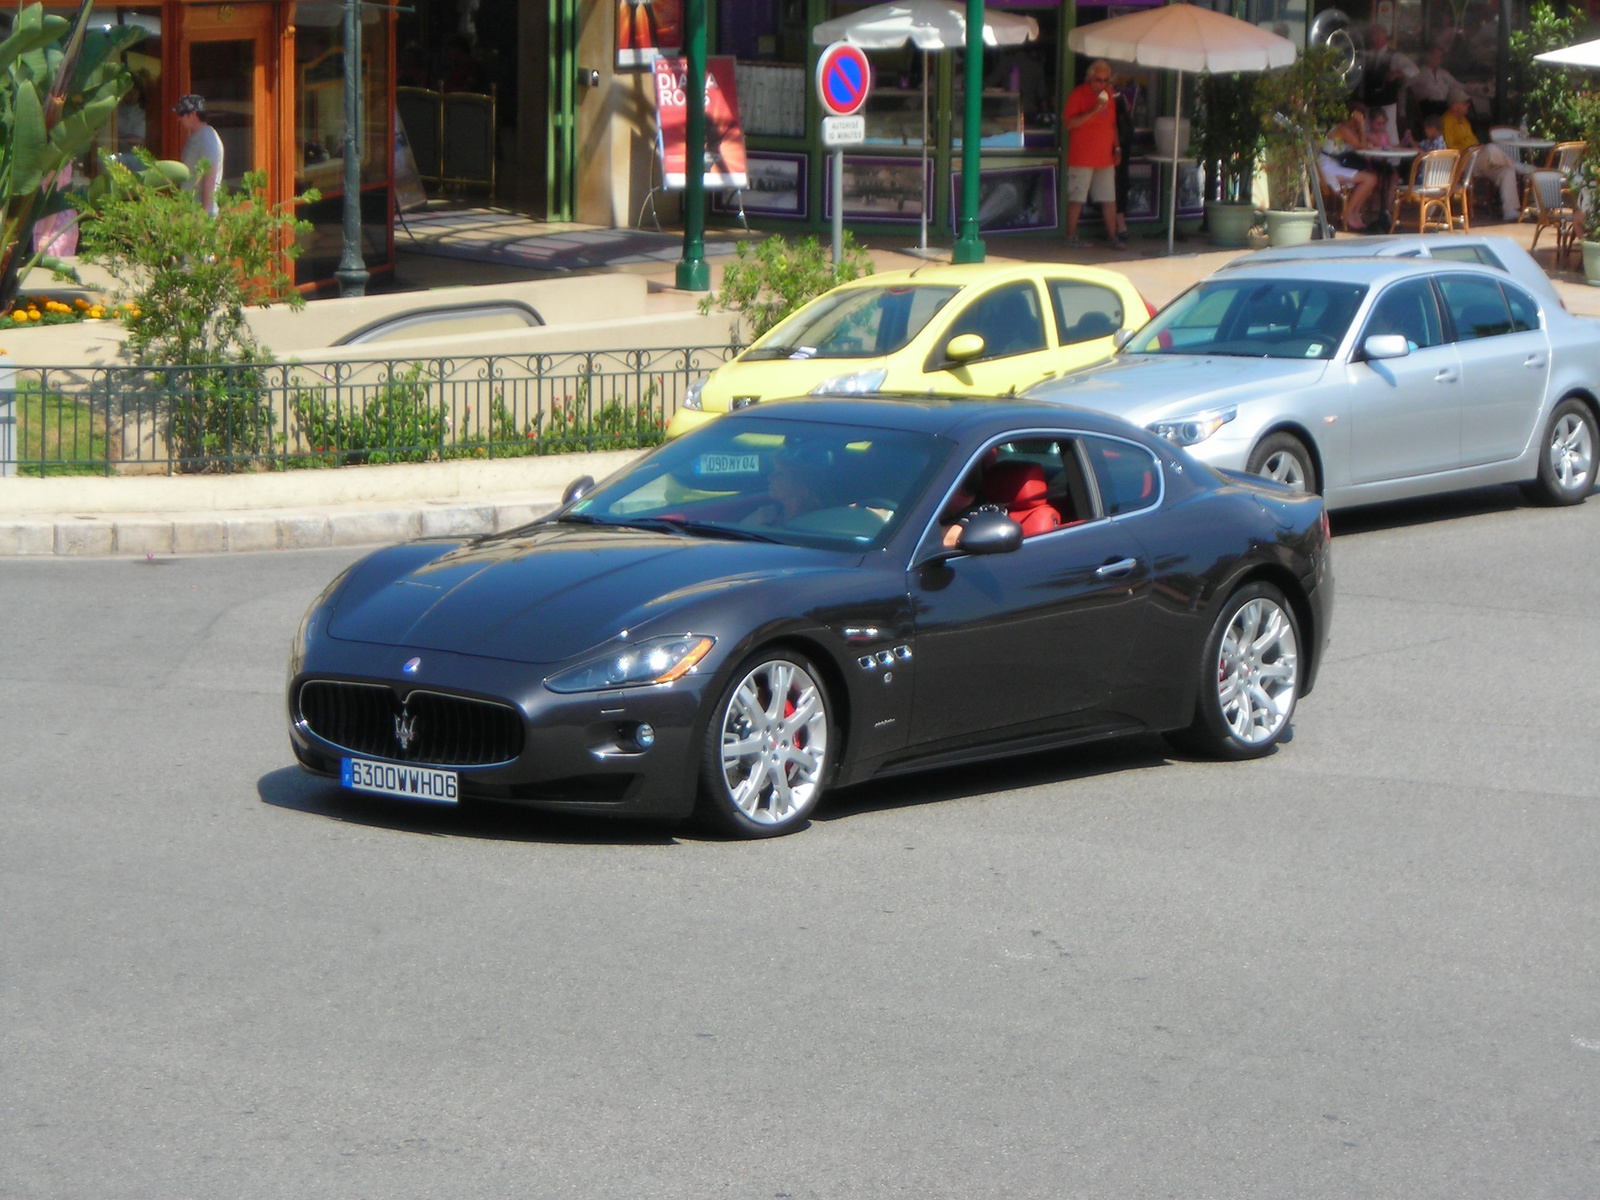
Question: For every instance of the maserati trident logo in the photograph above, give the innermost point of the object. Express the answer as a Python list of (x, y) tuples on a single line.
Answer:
[(405, 730)]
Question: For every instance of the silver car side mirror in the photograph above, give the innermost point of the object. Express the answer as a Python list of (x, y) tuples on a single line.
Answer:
[(1122, 337), (1385, 345)]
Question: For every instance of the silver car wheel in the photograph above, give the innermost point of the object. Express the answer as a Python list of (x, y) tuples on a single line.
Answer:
[(1258, 670), (774, 742), (1571, 451), (1283, 467)]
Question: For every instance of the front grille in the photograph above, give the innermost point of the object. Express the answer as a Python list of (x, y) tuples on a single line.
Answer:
[(365, 718)]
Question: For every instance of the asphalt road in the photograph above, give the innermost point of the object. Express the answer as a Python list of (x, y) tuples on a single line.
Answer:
[(1367, 966)]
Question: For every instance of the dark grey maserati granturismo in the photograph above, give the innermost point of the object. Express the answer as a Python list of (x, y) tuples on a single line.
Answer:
[(816, 594)]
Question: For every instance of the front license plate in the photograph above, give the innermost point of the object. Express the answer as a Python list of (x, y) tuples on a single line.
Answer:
[(391, 779)]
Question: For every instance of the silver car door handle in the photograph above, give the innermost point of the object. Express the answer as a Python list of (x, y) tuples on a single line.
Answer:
[(1448, 375), (1536, 361), (1113, 570)]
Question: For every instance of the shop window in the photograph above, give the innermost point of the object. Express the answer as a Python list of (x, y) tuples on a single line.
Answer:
[(319, 96)]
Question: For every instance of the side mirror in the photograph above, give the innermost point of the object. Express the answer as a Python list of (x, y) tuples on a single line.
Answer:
[(1122, 337), (963, 348), (577, 489), (989, 533), (1385, 345)]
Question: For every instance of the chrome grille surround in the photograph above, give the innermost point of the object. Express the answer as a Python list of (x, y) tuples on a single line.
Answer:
[(445, 730)]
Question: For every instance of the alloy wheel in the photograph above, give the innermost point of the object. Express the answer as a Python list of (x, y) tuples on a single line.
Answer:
[(1284, 467), (1258, 670), (1571, 452), (774, 742)]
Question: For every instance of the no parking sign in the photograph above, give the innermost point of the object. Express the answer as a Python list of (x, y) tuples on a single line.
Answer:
[(844, 77)]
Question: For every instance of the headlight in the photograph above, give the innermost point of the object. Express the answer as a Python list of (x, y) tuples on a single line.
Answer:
[(859, 384), (1187, 431), (655, 660), (691, 398)]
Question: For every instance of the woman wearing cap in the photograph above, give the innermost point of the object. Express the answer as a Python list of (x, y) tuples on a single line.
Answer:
[(1492, 161), (201, 143)]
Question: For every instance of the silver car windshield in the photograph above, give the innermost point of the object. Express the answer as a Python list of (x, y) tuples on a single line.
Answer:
[(866, 322), (1254, 318)]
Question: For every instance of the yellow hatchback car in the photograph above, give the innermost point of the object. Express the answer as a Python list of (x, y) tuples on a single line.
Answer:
[(977, 329)]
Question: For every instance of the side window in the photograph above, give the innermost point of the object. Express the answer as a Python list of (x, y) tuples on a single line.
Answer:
[(1476, 306), (1084, 311), (1007, 318), (1128, 475), (1524, 312), (1408, 309)]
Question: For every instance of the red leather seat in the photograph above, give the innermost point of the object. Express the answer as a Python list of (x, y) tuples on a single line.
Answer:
[(1021, 489)]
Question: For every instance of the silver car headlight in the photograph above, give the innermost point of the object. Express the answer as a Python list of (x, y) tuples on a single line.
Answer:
[(691, 398), (1194, 428), (655, 660), (858, 384)]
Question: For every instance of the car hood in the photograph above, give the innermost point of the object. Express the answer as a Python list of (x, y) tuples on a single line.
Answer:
[(552, 593), (1145, 387)]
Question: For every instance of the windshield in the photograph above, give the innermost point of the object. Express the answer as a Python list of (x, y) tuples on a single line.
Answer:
[(864, 322), (836, 487), (1254, 318)]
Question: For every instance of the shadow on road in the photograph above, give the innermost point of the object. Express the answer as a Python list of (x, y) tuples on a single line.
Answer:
[(999, 775), (1399, 514), (292, 788)]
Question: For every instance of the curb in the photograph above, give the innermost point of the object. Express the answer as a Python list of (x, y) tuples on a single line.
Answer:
[(150, 535)]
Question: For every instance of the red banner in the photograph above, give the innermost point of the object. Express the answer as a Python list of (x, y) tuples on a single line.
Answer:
[(725, 167)]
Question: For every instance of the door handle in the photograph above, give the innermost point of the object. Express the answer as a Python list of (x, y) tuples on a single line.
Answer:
[(1448, 375), (1115, 570), (1535, 361)]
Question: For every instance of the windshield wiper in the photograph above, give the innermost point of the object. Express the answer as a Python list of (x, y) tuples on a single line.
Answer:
[(703, 528)]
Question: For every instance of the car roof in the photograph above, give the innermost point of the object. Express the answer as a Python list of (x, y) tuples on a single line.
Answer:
[(1346, 269), (966, 274), (954, 417), (1381, 246)]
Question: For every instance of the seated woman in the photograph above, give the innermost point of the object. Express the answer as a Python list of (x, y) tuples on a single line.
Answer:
[(1342, 166)]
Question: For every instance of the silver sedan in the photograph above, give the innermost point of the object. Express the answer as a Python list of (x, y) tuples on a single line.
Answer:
[(1366, 379)]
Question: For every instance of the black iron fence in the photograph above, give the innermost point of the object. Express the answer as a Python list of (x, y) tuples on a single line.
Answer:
[(294, 415)]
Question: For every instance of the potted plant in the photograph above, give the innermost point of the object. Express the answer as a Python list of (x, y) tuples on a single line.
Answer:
[(1297, 105), (1586, 182), (1229, 126)]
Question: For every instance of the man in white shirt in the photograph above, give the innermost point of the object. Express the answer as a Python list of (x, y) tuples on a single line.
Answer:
[(1432, 84), (201, 143)]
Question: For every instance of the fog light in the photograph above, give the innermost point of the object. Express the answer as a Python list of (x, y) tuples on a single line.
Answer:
[(644, 736)]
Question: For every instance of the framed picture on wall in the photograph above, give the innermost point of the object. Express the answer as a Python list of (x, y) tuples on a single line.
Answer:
[(777, 186), (1011, 200), (1141, 191), (879, 189), (1190, 202)]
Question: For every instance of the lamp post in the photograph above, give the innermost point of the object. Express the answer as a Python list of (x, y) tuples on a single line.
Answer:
[(968, 248), (352, 273), (694, 273)]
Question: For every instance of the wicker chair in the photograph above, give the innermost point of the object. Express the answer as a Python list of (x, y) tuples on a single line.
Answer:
[(1565, 157), (1553, 210), (1428, 188), (1460, 197)]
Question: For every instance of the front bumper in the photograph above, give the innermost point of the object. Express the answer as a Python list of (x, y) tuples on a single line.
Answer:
[(686, 420), (576, 753)]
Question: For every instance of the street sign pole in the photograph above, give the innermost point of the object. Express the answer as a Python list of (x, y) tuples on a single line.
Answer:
[(694, 273), (968, 247), (844, 79)]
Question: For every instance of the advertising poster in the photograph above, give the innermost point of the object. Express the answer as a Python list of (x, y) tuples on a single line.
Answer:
[(647, 29), (725, 159)]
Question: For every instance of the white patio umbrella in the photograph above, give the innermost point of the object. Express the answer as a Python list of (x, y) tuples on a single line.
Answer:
[(1584, 54), (1182, 37), (929, 25)]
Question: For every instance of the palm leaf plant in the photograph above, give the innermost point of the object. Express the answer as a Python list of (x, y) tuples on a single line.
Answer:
[(60, 83)]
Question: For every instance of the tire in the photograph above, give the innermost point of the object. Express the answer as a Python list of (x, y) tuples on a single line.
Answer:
[(1246, 697), (1566, 456), (774, 716), (1284, 459)]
